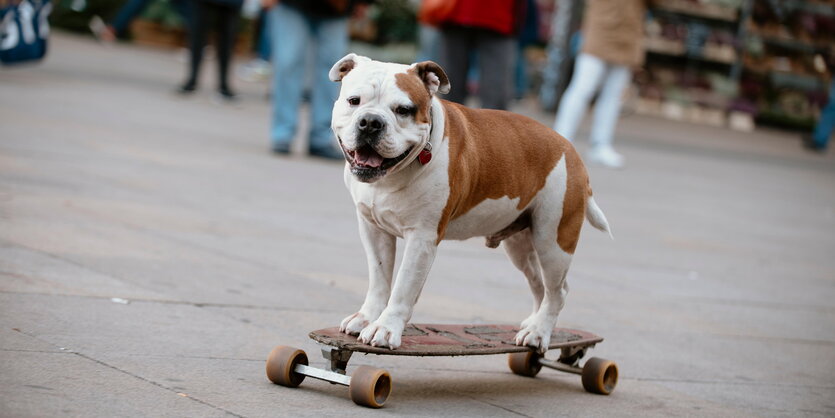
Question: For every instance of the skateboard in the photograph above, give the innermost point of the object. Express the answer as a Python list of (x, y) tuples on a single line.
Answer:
[(369, 386)]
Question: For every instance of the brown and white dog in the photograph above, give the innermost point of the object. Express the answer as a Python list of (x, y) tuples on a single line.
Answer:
[(424, 170)]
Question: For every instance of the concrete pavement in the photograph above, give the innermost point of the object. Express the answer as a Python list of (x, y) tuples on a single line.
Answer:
[(152, 252)]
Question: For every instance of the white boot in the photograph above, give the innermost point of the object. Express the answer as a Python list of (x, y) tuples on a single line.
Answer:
[(605, 155)]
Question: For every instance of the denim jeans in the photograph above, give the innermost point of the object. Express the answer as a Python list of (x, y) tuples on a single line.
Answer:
[(589, 73), (826, 123), (293, 34), (127, 13), (133, 8)]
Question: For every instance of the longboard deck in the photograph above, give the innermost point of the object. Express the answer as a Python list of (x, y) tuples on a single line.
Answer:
[(454, 340)]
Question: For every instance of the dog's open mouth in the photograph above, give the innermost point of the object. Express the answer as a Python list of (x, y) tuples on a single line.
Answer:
[(368, 165)]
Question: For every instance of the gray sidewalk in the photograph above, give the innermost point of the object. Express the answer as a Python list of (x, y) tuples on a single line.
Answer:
[(717, 297)]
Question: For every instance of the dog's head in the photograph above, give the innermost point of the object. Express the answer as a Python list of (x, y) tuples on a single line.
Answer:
[(382, 117)]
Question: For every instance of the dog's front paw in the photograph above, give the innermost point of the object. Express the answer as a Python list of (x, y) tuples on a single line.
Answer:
[(353, 324), (382, 333), (535, 336), (530, 320)]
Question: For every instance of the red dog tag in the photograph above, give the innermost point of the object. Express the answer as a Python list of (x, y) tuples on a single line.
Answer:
[(424, 157)]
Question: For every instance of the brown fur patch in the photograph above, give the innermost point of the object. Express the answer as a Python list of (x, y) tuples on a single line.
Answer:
[(410, 83), (577, 191), (495, 154)]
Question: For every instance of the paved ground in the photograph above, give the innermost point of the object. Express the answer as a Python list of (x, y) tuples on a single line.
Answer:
[(716, 298)]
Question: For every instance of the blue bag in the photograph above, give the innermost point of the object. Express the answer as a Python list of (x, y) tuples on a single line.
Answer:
[(24, 29)]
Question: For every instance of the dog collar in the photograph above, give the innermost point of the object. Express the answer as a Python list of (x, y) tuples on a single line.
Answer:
[(426, 153)]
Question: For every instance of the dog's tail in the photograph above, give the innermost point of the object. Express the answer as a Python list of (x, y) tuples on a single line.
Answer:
[(596, 217)]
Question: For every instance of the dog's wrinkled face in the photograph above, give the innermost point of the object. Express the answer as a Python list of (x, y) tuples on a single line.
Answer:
[(382, 117)]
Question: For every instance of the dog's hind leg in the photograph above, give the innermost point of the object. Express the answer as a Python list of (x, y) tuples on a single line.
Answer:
[(519, 248), (555, 229), (536, 331)]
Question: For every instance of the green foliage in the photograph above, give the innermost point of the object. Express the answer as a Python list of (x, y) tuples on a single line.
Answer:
[(396, 21), (74, 15), (164, 13)]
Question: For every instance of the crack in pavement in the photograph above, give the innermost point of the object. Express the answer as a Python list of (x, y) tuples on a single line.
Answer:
[(135, 376), (728, 382), (179, 302), (493, 405)]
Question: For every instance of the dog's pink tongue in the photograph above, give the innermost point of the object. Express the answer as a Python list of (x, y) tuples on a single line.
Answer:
[(368, 157)]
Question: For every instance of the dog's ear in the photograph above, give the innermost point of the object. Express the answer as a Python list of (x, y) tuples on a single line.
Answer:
[(433, 76), (344, 66)]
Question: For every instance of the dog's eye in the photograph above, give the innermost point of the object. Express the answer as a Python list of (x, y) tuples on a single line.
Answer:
[(354, 101), (404, 110)]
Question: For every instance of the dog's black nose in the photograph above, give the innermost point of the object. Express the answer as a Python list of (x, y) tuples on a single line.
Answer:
[(371, 124)]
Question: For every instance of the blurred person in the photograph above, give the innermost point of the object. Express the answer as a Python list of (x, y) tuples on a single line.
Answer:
[(299, 27), (429, 43), (259, 68), (118, 27), (225, 13), (823, 130), (819, 139), (559, 52), (528, 35), (430, 13), (612, 33), (488, 28)]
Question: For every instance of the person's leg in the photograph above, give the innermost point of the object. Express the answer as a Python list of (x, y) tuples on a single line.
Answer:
[(558, 53), (520, 73), (588, 71), (331, 45), (227, 23), (197, 40), (606, 113), (289, 34), (496, 55), (126, 14), (826, 123), (429, 38), (607, 108), (455, 60), (263, 37)]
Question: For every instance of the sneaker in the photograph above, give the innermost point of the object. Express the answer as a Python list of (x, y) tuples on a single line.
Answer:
[(812, 145), (102, 31), (255, 70), (328, 152), (227, 94), (606, 156), (282, 148), (187, 88)]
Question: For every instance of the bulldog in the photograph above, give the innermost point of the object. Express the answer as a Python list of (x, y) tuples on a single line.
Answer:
[(425, 170)]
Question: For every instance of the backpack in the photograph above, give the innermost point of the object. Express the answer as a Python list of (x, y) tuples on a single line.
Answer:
[(24, 30)]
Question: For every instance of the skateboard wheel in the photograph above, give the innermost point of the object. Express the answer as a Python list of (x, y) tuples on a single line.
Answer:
[(600, 375), (525, 363), (281, 365), (370, 387)]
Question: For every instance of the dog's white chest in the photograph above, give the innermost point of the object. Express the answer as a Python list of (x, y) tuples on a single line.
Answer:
[(380, 212), (398, 208)]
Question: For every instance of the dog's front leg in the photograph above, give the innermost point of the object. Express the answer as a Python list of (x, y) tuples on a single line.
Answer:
[(417, 260), (380, 249)]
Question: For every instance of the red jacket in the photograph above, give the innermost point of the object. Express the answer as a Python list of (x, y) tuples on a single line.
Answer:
[(501, 16)]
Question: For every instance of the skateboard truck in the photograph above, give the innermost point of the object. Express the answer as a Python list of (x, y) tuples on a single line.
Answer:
[(335, 373), (369, 386)]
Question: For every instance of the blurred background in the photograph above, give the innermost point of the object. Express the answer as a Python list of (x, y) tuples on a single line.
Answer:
[(732, 63)]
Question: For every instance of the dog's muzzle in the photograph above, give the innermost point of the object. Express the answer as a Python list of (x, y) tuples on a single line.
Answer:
[(367, 164)]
